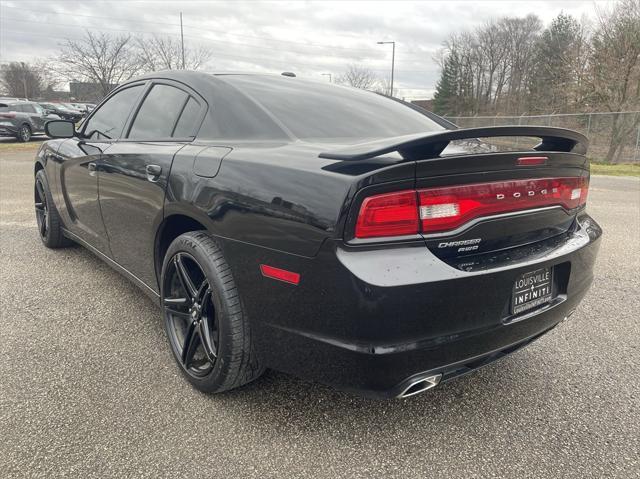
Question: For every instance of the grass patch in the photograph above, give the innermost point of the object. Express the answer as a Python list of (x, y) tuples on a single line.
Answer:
[(8, 145), (617, 169)]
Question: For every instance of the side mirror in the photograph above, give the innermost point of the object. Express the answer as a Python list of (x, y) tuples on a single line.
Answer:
[(60, 129)]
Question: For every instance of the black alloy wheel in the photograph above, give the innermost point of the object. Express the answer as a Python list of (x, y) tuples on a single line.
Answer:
[(42, 209), (190, 315), (47, 217)]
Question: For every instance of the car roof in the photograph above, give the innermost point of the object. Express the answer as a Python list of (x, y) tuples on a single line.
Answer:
[(203, 81)]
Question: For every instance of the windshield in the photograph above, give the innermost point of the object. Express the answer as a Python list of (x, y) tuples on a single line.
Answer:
[(323, 112)]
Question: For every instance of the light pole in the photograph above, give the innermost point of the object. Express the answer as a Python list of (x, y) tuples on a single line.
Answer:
[(393, 61), (327, 74)]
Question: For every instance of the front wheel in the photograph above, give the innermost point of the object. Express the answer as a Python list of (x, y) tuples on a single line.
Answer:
[(24, 133), (205, 321), (47, 217)]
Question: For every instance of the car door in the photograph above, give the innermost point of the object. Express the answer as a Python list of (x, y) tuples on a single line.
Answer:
[(135, 170), (79, 164), (37, 117), (32, 116)]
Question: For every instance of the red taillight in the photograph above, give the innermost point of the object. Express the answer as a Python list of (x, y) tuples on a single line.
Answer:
[(446, 208), (390, 214), (7, 115)]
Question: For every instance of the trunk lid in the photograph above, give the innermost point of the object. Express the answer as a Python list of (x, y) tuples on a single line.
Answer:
[(524, 196)]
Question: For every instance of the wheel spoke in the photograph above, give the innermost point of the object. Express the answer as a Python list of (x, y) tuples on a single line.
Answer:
[(184, 277), (173, 305), (175, 302), (39, 205), (203, 290), (190, 344), (207, 341), (41, 194)]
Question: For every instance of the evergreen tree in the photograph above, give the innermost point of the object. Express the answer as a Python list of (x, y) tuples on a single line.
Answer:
[(445, 97)]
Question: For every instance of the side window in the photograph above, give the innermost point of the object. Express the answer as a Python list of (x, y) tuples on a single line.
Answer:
[(188, 122), (109, 120), (158, 113), (17, 108), (28, 108)]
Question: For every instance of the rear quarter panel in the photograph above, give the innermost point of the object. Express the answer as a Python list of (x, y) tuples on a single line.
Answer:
[(267, 196)]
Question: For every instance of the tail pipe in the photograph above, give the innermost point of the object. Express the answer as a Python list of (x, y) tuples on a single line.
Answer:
[(420, 385)]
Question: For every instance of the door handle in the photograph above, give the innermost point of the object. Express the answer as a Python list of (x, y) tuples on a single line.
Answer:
[(153, 172), (92, 168)]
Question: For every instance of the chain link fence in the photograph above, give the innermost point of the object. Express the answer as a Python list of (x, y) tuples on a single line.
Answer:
[(613, 137)]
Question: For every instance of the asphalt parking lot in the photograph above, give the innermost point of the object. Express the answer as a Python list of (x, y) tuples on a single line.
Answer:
[(88, 387)]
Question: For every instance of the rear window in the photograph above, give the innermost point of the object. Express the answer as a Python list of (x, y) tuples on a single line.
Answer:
[(188, 121), (318, 112), (158, 113)]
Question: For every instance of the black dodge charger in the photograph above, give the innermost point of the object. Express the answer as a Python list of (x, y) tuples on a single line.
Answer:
[(328, 232)]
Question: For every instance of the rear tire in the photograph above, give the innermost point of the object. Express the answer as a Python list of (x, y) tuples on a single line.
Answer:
[(47, 217), (204, 318), (24, 133)]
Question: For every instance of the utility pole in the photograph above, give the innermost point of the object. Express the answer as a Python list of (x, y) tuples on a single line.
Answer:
[(393, 61), (182, 40), (24, 84), (327, 74)]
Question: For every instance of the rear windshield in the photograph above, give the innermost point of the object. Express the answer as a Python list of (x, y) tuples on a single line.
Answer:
[(318, 112)]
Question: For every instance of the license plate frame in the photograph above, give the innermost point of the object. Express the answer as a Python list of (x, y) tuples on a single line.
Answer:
[(532, 290)]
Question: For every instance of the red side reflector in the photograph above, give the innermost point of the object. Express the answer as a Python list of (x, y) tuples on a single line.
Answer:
[(389, 214), (531, 160), (279, 274)]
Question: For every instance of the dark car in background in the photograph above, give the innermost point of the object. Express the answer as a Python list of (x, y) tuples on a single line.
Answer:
[(319, 230), (22, 119), (63, 111), (83, 108)]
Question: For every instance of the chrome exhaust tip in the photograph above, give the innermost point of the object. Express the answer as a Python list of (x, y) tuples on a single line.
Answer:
[(420, 386)]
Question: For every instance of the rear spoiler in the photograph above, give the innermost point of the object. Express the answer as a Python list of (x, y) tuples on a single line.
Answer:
[(422, 146)]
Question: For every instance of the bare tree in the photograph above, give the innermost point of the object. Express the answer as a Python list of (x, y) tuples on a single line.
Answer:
[(100, 58), (20, 79), (615, 69), (359, 77), (383, 86), (51, 79), (165, 53)]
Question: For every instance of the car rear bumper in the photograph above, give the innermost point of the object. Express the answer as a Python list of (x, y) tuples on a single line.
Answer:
[(375, 321)]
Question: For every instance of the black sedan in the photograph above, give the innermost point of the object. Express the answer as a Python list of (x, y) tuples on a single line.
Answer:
[(62, 111), (324, 231)]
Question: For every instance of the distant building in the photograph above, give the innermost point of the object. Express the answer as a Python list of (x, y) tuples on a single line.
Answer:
[(87, 91), (54, 95)]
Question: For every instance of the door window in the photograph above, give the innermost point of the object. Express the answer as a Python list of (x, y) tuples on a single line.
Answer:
[(158, 113), (108, 121), (28, 108)]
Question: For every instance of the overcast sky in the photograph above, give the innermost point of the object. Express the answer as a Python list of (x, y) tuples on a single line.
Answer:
[(309, 38)]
